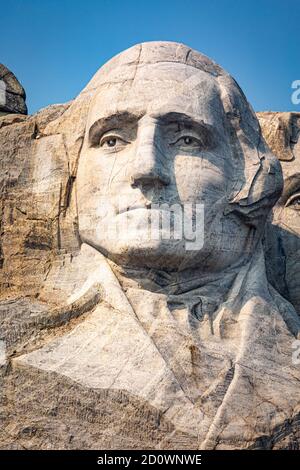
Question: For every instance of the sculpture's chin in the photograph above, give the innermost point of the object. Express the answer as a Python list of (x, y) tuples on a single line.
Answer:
[(157, 254), (130, 241)]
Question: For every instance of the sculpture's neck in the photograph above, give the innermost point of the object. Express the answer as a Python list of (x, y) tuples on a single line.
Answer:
[(163, 282), (186, 288)]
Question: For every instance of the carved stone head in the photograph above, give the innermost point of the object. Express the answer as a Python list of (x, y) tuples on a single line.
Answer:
[(166, 125)]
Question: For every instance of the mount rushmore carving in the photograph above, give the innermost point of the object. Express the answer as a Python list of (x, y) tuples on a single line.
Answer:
[(134, 341)]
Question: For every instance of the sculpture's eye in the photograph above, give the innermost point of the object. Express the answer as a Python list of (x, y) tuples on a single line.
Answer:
[(187, 141), (111, 141), (294, 202)]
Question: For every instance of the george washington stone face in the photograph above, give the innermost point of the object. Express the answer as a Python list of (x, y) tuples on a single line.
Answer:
[(159, 137)]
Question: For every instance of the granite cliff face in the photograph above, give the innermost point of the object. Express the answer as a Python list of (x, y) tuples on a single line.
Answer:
[(98, 354), (34, 182)]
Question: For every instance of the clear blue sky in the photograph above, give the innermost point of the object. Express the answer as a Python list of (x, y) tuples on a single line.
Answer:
[(55, 46)]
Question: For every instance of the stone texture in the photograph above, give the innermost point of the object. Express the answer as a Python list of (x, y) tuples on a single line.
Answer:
[(12, 94), (282, 240), (124, 343), (34, 175)]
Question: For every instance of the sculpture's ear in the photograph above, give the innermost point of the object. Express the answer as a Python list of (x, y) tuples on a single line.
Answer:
[(258, 178), (255, 201)]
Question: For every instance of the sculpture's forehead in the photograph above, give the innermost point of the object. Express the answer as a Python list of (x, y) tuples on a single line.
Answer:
[(161, 87)]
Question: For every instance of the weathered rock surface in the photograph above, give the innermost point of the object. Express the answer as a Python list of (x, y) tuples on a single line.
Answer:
[(97, 353), (281, 132), (282, 240), (12, 94), (33, 181)]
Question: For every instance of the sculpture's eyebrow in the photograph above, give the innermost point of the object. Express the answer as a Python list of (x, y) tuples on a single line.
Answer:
[(178, 117), (128, 118), (112, 121), (189, 122)]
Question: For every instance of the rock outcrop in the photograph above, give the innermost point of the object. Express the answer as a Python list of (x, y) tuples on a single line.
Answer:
[(12, 94), (281, 131)]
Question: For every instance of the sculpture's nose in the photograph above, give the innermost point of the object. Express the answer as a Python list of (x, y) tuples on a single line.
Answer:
[(149, 167)]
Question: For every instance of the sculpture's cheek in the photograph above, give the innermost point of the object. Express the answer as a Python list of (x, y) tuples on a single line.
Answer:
[(198, 178)]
